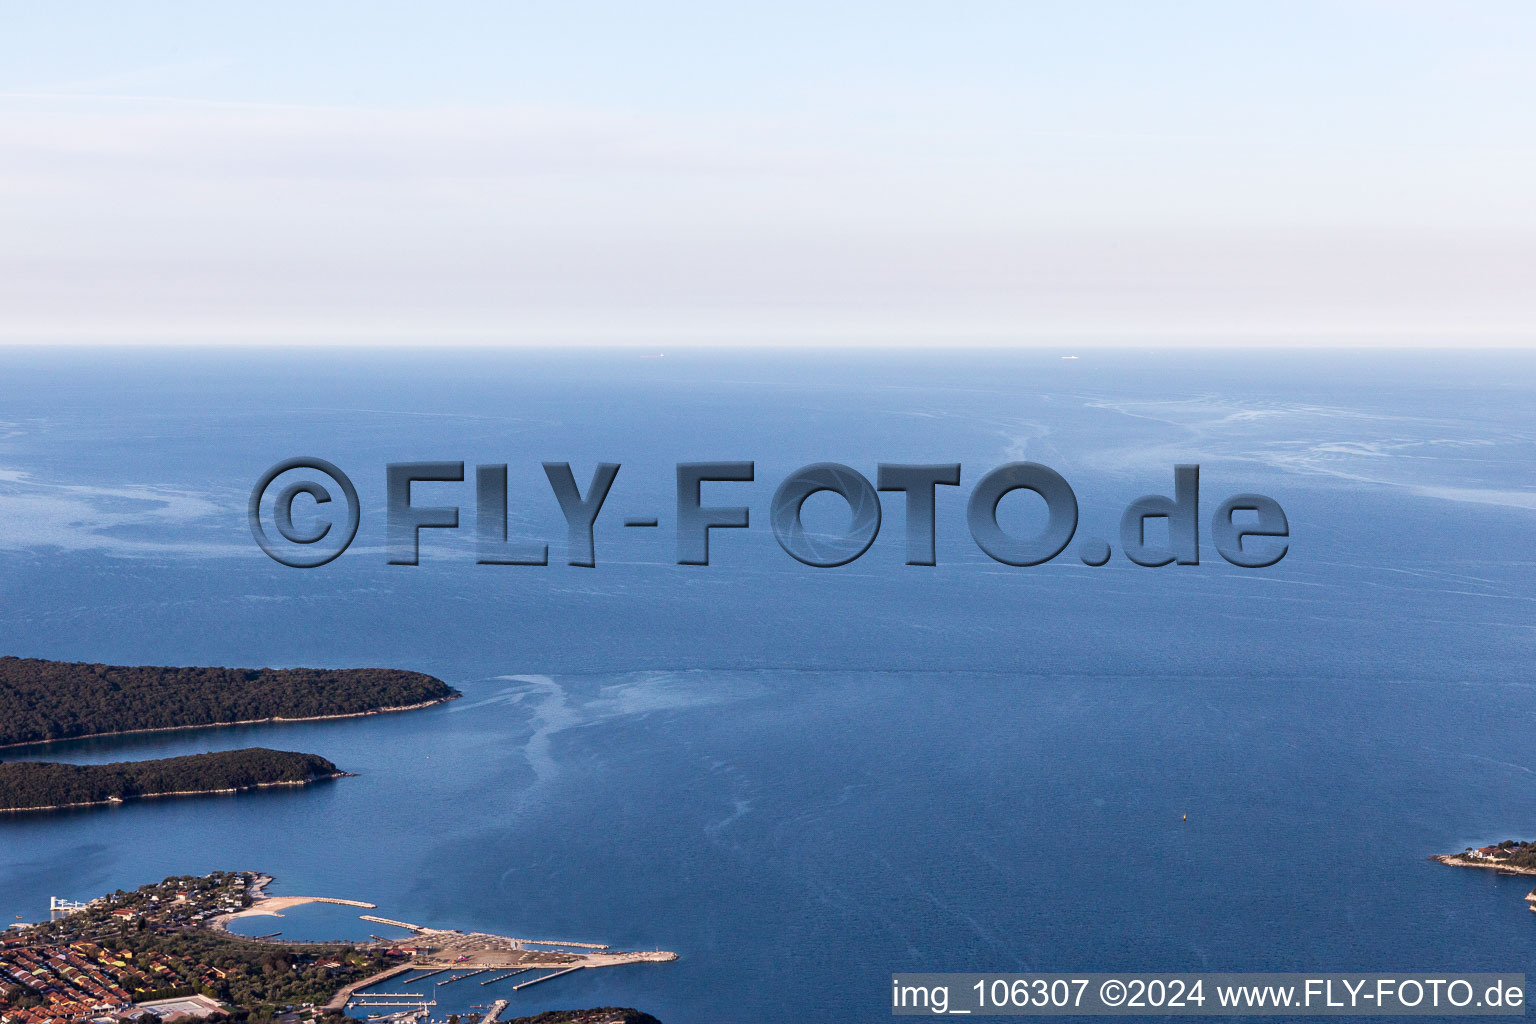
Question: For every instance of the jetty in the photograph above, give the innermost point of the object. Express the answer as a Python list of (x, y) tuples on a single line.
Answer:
[(461, 977), (411, 1016), (365, 1000), (338, 1002), (382, 920), (383, 998), (547, 977), (495, 1012), (273, 906), (520, 970), (557, 942)]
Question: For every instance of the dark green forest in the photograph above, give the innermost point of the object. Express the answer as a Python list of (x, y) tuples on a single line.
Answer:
[(42, 784), (53, 700), (602, 1015)]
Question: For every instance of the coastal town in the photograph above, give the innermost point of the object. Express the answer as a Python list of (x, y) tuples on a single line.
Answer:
[(163, 954)]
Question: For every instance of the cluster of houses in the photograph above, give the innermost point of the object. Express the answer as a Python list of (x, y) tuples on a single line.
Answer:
[(174, 901), (74, 982), (85, 982), (76, 971), (171, 904), (1503, 851)]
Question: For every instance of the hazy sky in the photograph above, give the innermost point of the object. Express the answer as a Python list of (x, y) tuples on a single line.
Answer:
[(662, 173)]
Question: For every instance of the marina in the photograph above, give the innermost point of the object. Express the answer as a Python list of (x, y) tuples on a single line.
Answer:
[(446, 956)]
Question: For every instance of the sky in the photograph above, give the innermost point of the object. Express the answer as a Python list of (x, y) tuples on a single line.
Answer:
[(1348, 173)]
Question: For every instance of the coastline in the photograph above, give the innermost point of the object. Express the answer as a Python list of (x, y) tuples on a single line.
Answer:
[(114, 801), (338, 1002), (275, 719), (180, 905), (1458, 860), (263, 905)]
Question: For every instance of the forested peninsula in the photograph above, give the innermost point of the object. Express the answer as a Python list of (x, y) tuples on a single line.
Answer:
[(41, 701), (38, 785)]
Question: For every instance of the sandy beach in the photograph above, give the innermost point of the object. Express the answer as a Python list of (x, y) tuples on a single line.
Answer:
[(273, 906)]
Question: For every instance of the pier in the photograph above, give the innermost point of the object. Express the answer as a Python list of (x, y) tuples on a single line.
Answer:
[(546, 977), (556, 942), (413, 1016), (490, 958), (496, 1010), (378, 920), (58, 906), (366, 1000), (344, 994)]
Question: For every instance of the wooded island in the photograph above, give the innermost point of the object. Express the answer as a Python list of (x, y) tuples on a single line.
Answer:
[(41, 701), (38, 785)]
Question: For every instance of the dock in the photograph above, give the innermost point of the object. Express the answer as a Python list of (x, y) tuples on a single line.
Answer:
[(413, 1016), (380, 920), (491, 958), (557, 942), (547, 977), (496, 1010), (344, 994), (366, 1000)]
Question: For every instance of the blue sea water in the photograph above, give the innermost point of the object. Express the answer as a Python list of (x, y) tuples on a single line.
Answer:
[(803, 780)]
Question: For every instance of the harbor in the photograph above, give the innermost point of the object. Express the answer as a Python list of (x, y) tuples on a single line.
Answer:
[(399, 999), (442, 957)]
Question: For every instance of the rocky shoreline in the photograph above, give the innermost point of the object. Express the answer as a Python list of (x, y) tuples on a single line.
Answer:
[(1500, 865), (1461, 860)]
